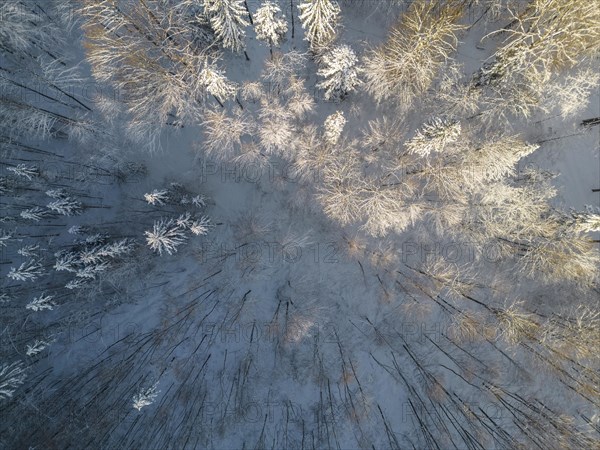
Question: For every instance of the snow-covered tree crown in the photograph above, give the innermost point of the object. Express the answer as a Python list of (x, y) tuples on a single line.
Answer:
[(334, 126), (434, 136), (339, 68), (228, 18), (270, 24), (319, 19)]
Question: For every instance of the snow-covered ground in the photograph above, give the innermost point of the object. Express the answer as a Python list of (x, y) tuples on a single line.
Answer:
[(281, 328)]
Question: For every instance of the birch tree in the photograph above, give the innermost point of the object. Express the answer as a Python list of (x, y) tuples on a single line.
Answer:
[(406, 64), (152, 58), (548, 36)]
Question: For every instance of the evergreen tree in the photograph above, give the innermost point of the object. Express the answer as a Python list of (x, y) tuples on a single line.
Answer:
[(269, 24), (319, 19), (334, 125), (228, 19), (338, 67), (434, 136), (216, 83)]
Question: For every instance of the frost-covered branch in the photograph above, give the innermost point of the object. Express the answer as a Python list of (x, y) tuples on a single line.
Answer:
[(145, 397), (11, 376)]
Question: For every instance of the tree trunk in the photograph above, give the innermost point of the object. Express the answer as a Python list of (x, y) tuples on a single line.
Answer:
[(292, 16), (249, 15), (218, 101), (590, 122)]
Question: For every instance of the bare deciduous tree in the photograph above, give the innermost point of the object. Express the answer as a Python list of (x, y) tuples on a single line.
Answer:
[(407, 63)]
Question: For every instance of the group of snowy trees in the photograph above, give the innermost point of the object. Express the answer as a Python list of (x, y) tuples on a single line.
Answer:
[(444, 176), (37, 104), (50, 188), (437, 161), (161, 57), (159, 60), (168, 234), (172, 41), (33, 67)]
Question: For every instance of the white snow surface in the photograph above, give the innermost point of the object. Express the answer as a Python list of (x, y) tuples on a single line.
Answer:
[(265, 333)]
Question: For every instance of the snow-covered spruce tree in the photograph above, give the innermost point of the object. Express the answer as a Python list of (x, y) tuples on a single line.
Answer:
[(175, 195), (6, 237), (90, 257), (216, 83), (270, 24), (156, 197), (42, 302), (339, 69), (199, 227), (30, 270), (228, 19), (31, 250), (319, 19), (168, 234), (21, 170), (66, 206), (36, 347), (165, 236), (434, 136), (35, 214), (334, 125), (406, 64)]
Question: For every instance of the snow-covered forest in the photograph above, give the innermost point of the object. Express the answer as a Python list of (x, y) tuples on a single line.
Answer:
[(300, 224)]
